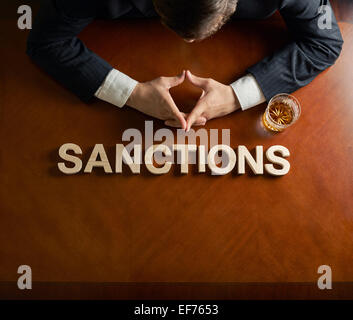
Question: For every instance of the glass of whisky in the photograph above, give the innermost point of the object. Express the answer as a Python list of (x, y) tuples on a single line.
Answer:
[(282, 111)]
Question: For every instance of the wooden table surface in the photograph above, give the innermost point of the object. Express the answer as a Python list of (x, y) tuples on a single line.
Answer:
[(173, 236)]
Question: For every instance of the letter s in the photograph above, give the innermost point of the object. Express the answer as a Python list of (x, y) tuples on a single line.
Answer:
[(75, 160), (270, 154)]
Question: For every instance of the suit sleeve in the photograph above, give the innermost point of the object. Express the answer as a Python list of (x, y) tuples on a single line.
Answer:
[(54, 46), (312, 50)]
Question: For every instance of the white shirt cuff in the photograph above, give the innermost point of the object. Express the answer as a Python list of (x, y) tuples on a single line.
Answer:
[(116, 88), (248, 92)]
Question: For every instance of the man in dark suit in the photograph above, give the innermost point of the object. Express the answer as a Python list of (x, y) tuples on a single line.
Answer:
[(54, 46)]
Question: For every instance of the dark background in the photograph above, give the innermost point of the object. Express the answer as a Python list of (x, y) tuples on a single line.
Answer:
[(343, 8)]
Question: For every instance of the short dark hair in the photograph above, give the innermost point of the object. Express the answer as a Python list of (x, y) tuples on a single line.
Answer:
[(195, 19)]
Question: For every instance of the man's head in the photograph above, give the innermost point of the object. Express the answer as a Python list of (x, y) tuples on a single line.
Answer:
[(195, 19)]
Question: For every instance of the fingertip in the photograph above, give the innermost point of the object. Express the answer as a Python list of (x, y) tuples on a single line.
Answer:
[(183, 124), (183, 75), (189, 125), (181, 120), (190, 77)]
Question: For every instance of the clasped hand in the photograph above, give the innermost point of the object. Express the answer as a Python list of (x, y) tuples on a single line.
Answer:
[(153, 98)]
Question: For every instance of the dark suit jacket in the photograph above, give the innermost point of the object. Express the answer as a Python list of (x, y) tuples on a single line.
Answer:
[(54, 46)]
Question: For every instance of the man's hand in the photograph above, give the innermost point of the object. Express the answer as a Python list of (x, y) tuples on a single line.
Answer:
[(153, 98), (217, 100)]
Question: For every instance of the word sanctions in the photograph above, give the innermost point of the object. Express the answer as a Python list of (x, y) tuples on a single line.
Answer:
[(159, 159)]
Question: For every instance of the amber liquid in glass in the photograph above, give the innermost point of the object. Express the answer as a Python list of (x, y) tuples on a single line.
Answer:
[(280, 113)]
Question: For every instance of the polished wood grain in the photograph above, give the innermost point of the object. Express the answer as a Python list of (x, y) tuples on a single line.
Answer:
[(231, 236)]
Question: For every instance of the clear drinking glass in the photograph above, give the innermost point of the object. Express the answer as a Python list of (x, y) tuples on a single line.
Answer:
[(282, 111)]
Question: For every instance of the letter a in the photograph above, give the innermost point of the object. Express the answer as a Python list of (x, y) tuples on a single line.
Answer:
[(325, 281), (325, 20), (24, 281), (24, 21)]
